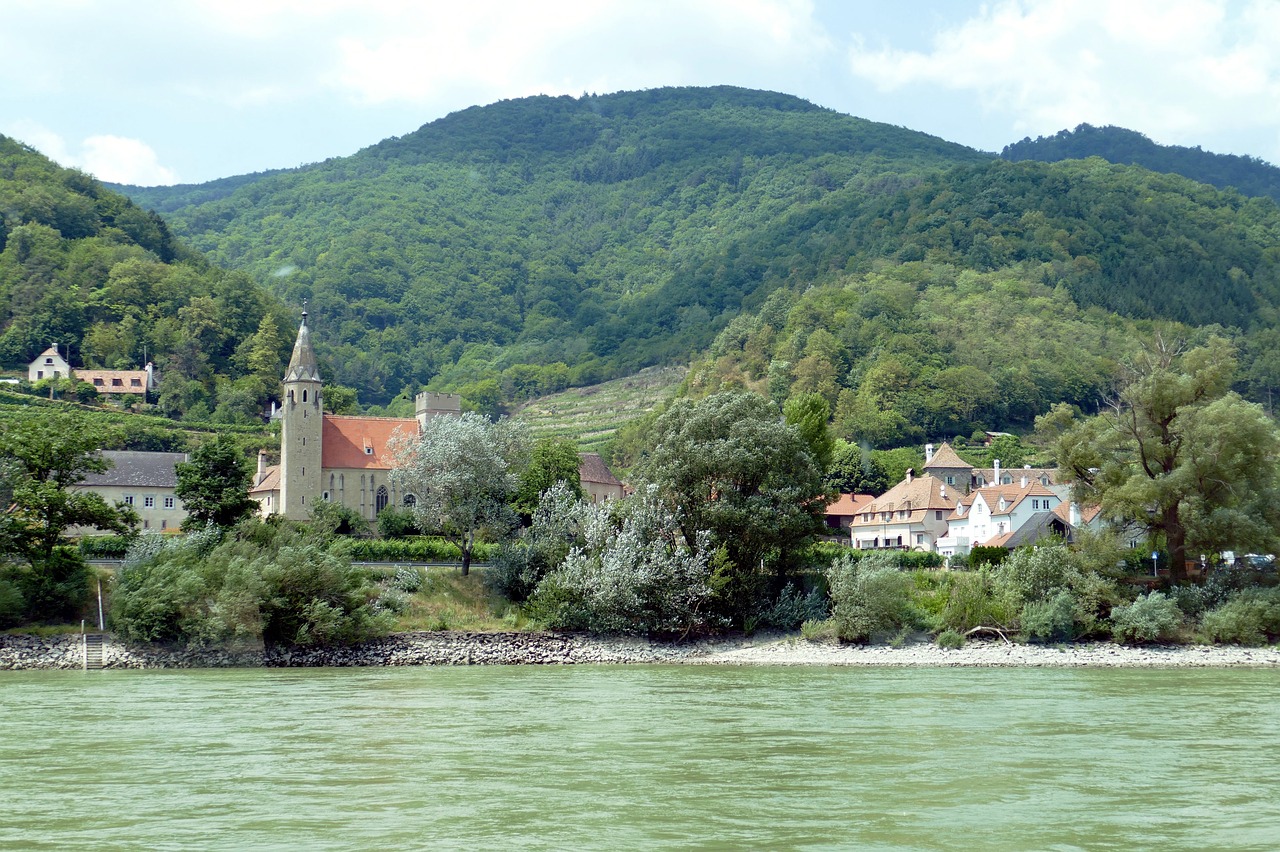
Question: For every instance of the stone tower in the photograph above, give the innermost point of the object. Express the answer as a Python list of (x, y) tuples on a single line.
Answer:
[(300, 429)]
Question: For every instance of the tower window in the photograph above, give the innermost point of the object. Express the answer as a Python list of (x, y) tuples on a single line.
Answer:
[(304, 394)]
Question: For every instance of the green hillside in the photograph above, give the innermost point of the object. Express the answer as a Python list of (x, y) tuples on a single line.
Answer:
[(547, 242), (1249, 175), (87, 268), (926, 289)]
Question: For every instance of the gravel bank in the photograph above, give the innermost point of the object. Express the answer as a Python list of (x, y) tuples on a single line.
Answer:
[(446, 649)]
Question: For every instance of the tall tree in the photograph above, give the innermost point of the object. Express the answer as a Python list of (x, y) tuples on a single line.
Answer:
[(729, 464), (463, 472), (214, 485), (1178, 453), (44, 458), (552, 460)]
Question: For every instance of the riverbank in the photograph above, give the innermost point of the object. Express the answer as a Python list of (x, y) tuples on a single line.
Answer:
[(460, 649)]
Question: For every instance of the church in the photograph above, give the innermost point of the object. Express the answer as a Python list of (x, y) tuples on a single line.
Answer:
[(331, 457), (345, 460)]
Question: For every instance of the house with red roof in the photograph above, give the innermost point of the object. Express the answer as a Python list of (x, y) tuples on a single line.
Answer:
[(911, 515)]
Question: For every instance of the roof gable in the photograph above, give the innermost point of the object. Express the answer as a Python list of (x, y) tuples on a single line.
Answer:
[(591, 468), (946, 458)]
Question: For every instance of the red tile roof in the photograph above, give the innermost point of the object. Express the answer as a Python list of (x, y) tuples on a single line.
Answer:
[(849, 504), (361, 442)]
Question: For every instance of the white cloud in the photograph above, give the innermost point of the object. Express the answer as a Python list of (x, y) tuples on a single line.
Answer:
[(121, 160), (487, 50), (1179, 70), (110, 158)]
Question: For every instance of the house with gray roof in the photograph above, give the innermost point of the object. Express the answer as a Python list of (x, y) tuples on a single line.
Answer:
[(145, 481)]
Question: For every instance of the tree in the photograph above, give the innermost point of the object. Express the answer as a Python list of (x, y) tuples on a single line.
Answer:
[(43, 459), (632, 573), (1178, 453), (552, 460), (463, 472), (809, 413), (730, 465), (214, 485), (853, 470)]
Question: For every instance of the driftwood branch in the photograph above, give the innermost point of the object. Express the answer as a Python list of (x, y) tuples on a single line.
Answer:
[(983, 629)]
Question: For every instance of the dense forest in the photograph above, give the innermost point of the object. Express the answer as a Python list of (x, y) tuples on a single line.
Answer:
[(516, 249), (508, 251), (1249, 175)]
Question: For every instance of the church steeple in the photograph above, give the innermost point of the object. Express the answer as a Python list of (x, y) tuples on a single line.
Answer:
[(301, 431), (302, 366)]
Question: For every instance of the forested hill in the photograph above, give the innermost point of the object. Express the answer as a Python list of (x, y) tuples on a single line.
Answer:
[(511, 250), (1249, 175), (517, 248), (86, 268)]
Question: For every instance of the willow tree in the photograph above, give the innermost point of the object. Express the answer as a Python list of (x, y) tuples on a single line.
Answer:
[(463, 472), (1178, 453)]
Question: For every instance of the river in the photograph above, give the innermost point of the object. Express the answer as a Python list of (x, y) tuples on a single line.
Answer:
[(641, 757)]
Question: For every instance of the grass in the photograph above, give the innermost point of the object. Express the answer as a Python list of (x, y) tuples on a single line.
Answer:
[(450, 601), (590, 416)]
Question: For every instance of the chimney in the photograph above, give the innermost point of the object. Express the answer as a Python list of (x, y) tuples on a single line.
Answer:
[(928, 453), (1024, 482), (1073, 514), (995, 479), (911, 474), (262, 467)]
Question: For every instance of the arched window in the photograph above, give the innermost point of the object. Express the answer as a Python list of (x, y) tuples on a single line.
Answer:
[(410, 500), (304, 394), (381, 500)]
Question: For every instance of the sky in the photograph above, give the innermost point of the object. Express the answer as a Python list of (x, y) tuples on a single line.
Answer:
[(160, 92)]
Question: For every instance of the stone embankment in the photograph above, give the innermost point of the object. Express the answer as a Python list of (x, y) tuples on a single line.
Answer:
[(452, 648)]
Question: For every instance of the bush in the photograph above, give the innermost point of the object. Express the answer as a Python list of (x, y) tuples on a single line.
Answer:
[(12, 604), (979, 556), (950, 639), (1053, 620), (972, 602), (1251, 618), (276, 584), (394, 522), (105, 546), (54, 590), (793, 608), (407, 579), (870, 596), (819, 631), (633, 574), (1151, 618), (422, 549)]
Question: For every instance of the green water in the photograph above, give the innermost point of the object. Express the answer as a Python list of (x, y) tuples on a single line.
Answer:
[(641, 757)]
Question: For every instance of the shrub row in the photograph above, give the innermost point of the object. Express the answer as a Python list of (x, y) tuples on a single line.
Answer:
[(417, 549)]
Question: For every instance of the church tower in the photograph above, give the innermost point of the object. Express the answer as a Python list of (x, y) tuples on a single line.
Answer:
[(300, 430)]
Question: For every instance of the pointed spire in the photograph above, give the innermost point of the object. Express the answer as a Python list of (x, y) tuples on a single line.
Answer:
[(302, 366)]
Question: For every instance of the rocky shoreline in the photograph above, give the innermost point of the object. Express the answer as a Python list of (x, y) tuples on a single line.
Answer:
[(20, 652)]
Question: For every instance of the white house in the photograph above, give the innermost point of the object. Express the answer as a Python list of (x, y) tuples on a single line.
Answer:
[(911, 515), (49, 364), (145, 481), (986, 515)]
